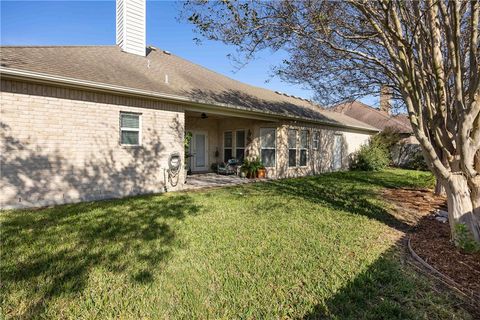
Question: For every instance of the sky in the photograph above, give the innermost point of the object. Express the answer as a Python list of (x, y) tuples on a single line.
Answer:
[(93, 23)]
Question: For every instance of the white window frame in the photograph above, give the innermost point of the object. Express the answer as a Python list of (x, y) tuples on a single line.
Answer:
[(274, 146), (316, 140), (232, 149), (244, 142), (139, 129), (295, 148), (305, 148)]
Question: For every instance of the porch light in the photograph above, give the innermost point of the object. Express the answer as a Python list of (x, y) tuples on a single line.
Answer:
[(204, 116)]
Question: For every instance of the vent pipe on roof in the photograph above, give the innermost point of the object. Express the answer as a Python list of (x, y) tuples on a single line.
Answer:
[(131, 29)]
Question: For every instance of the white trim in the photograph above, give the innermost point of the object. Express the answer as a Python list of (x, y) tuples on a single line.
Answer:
[(193, 144), (244, 142), (193, 104), (300, 148), (296, 147), (227, 148), (316, 133), (139, 129), (274, 147)]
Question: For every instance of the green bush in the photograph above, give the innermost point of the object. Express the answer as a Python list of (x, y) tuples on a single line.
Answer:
[(417, 162), (371, 157), (464, 240)]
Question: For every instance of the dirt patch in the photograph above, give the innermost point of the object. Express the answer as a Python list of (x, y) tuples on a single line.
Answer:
[(431, 238), (410, 206)]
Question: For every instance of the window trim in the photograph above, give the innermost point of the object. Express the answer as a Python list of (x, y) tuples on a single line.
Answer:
[(232, 149), (316, 142), (300, 148), (244, 142), (139, 129), (274, 147), (295, 148)]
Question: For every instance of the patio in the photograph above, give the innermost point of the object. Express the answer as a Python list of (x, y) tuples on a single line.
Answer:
[(209, 180)]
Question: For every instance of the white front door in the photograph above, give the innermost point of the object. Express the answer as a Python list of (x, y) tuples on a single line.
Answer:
[(199, 151)]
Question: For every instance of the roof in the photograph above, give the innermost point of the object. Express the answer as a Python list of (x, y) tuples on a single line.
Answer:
[(110, 66), (374, 117)]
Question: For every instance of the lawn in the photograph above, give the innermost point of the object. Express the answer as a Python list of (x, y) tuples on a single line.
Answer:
[(315, 247)]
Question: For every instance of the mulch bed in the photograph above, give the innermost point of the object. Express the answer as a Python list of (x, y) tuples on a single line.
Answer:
[(430, 238)]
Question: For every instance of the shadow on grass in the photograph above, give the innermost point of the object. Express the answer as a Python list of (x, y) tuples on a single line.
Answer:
[(392, 289), (60, 246), (352, 192)]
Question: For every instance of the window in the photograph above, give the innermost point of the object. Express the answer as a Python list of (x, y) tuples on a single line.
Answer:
[(292, 148), (130, 129), (240, 145), (316, 140), (268, 145), (227, 146), (304, 135)]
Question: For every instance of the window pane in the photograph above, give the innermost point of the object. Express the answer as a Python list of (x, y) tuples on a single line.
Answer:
[(240, 153), (227, 139), (303, 158), (292, 138), (292, 157), (129, 120), (130, 137), (267, 137), (227, 154), (304, 139), (315, 140), (268, 157), (241, 139)]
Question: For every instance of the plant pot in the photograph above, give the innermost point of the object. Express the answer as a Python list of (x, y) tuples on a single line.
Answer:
[(243, 174), (251, 175), (262, 173)]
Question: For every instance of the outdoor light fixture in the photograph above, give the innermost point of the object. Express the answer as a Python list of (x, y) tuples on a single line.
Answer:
[(204, 116)]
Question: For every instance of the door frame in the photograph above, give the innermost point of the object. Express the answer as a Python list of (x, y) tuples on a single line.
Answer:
[(193, 151)]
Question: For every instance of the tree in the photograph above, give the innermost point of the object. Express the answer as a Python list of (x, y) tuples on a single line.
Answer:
[(426, 51)]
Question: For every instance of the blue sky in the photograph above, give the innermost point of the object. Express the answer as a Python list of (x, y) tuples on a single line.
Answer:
[(93, 23)]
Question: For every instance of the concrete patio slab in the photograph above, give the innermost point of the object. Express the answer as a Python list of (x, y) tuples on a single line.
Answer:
[(209, 180)]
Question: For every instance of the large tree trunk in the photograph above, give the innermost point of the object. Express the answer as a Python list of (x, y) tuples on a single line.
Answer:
[(461, 206), (439, 189)]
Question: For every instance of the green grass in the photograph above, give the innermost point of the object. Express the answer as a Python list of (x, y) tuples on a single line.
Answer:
[(316, 247)]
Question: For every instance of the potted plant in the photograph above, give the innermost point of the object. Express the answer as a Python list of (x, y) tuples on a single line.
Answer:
[(249, 169), (261, 172)]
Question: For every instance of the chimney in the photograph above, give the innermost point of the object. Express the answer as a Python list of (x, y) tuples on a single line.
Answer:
[(131, 26), (385, 97)]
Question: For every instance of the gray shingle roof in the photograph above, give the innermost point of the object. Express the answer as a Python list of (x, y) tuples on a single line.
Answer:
[(376, 118), (109, 65)]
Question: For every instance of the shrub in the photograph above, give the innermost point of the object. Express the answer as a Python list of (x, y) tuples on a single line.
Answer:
[(371, 157), (464, 240), (417, 162)]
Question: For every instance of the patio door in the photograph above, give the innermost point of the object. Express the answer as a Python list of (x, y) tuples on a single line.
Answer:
[(199, 151), (337, 152)]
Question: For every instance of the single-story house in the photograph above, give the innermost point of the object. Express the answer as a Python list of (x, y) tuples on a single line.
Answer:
[(83, 123), (408, 146)]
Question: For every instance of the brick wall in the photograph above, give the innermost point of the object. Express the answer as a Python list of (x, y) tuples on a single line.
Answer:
[(62, 145)]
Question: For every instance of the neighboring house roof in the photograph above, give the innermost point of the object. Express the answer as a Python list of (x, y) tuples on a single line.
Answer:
[(374, 117), (161, 73)]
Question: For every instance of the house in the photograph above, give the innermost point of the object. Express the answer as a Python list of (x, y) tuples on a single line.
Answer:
[(83, 123), (408, 146)]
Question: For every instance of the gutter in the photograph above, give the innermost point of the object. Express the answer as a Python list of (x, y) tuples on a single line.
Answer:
[(17, 74)]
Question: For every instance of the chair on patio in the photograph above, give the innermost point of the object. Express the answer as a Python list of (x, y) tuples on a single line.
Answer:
[(229, 167)]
